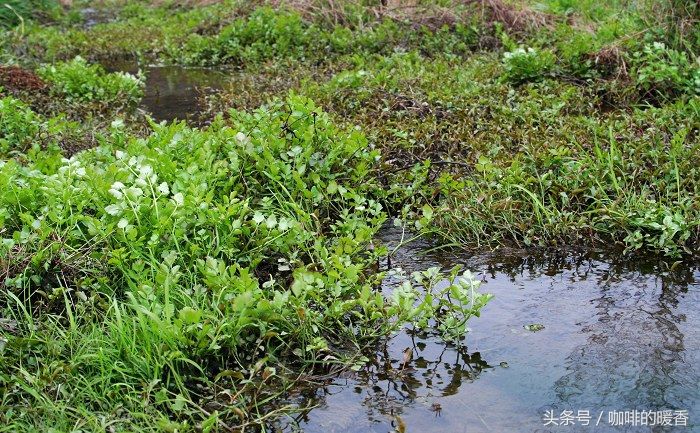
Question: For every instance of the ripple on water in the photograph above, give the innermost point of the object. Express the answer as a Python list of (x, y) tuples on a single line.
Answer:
[(173, 92), (618, 335)]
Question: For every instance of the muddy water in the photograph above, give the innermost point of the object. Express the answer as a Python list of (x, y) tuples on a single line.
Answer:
[(173, 92), (617, 336), (92, 17)]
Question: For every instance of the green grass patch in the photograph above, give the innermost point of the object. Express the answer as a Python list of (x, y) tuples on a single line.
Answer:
[(182, 280)]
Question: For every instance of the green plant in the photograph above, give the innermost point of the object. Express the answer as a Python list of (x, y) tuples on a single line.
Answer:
[(662, 72), (26, 135), (14, 12), (79, 81), (263, 35), (235, 252), (19, 126), (527, 64), (432, 301), (169, 278)]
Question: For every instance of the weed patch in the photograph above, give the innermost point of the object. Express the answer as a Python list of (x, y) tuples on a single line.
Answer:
[(80, 82), (237, 250)]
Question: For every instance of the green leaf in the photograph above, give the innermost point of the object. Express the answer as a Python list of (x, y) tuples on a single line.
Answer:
[(190, 315)]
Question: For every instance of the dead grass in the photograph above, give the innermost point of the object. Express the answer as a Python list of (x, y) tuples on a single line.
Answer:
[(417, 13), (15, 80), (610, 62), (515, 17)]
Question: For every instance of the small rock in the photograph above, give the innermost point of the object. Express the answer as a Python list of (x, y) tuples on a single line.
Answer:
[(534, 327)]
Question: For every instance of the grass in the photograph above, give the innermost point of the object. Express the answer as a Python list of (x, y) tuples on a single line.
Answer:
[(16, 12), (529, 163), (159, 277)]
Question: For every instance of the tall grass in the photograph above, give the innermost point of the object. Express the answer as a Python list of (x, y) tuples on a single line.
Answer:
[(15, 12)]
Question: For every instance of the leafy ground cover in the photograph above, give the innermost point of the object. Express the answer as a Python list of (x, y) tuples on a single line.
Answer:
[(192, 262), (159, 277), (555, 133)]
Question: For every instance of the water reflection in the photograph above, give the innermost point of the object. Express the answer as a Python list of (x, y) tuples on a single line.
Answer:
[(173, 92), (92, 17), (618, 335), (635, 355)]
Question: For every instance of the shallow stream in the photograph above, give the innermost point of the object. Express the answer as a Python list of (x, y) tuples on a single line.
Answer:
[(617, 336)]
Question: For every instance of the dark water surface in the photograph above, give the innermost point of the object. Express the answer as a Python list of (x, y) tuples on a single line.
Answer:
[(92, 17), (173, 92), (618, 336)]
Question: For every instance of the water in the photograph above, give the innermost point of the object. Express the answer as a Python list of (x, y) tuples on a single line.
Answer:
[(92, 17), (618, 336), (173, 92)]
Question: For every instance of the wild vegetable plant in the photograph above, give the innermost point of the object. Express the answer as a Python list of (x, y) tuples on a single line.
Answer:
[(19, 125), (662, 72), (527, 64), (79, 81), (234, 251), (432, 301)]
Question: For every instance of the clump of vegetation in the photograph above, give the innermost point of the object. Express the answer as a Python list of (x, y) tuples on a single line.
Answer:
[(177, 259), (537, 163), (447, 308), (231, 34), (68, 109), (29, 137), (272, 34), (15, 12), (263, 35), (140, 30), (18, 125), (527, 64), (661, 72), (79, 81)]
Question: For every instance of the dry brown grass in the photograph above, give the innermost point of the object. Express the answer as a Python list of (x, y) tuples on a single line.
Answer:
[(611, 62), (515, 17), (15, 80), (418, 13)]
